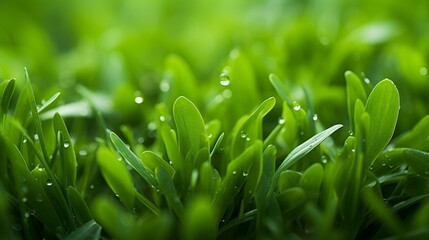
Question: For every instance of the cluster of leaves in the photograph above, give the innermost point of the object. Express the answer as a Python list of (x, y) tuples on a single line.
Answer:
[(201, 179)]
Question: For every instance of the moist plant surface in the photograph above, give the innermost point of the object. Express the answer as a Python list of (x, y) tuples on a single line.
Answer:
[(214, 120)]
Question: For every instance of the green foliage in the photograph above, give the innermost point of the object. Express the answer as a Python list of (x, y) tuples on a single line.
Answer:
[(214, 119)]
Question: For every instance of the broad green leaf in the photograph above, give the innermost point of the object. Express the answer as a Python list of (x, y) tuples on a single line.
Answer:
[(355, 91), (416, 137), (288, 179), (251, 129), (132, 159), (383, 109), (237, 174), (418, 160), (291, 199), (173, 151), (191, 130), (116, 175), (178, 80), (78, 204), (200, 221), (66, 151), (311, 180), (116, 221), (209, 180), (89, 231), (153, 161)]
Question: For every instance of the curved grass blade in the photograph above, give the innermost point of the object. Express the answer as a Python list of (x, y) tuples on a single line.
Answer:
[(132, 159), (89, 231)]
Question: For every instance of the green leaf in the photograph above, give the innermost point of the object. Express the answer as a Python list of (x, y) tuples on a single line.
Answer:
[(200, 221), (355, 91), (251, 129), (153, 161), (292, 199), (47, 104), (66, 151), (280, 88), (416, 137), (89, 231), (133, 160), (117, 176), (311, 180), (78, 204), (166, 186), (306, 147), (418, 160), (383, 109), (6, 95), (289, 179), (191, 130)]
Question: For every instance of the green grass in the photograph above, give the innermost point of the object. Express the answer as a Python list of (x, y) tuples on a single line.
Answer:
[(239, 126)]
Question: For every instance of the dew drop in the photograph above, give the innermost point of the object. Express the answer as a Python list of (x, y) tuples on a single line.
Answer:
[(353, 150), (24, 141), (248, 139), (367, 81), (162, 118), (24, 199), (151, 126), (210, 136), (350, 133), (36, 137), (296, 106), (83, 153), (91, 186), (66, 144), (245, 173), (27, 214), (138, 100), (281, 121), (243, 134), (324, 161), (315, 117), (224, 79), (234, 172), (383, 164), (48, 183), (235, 188)]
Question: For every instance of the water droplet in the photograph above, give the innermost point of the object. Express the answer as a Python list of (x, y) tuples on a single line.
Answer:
[(224, 79), (66, 144), (227, 93), (24, 141), (164, 86), (315, 117), (405, 171), (140, 139), (324, 160), (248, 139), (243, 134), (170, 162), (245, 173), (36, 137), (353, 150), (138, 100), (48, 183), (91, 186), (24, 199), (210, 135), (27, 214), (367, 81), (371, 167), (282, 121), (423, 71), (219, 98), (350, 133), (234, 172), (383, 164), (162, 118), (296, 106), (235, 188)]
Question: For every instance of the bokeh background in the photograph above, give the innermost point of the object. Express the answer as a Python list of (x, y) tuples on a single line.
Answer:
[(119, 49)]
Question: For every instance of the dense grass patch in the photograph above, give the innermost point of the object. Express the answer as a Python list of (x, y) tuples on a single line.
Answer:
[(172, 120)]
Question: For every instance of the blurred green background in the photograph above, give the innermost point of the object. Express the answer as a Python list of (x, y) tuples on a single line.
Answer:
[(119, 48)]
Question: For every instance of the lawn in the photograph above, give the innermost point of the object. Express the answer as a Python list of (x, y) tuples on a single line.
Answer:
[(214, 119)]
